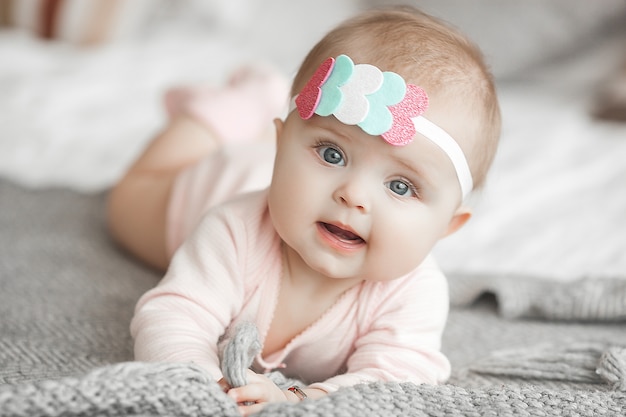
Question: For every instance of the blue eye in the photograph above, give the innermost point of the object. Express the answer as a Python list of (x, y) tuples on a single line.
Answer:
[(402, 188), (331, 155)]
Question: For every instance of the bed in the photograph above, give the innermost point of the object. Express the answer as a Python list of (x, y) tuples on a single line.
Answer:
[(537, 278)]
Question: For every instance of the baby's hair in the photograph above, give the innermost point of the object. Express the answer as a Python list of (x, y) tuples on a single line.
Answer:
[(429, 53)]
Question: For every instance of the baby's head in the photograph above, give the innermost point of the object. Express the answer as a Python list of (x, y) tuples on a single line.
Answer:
[(432, 55), (349, 204)]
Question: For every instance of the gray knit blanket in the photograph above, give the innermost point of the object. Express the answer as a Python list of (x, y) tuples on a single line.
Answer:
[(518, 345), (136, 389)]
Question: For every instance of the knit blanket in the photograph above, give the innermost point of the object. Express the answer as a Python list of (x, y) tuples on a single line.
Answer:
[(137, 389), (518, 345)]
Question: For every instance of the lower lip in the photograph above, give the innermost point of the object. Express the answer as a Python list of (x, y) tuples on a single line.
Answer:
[(336, 243)]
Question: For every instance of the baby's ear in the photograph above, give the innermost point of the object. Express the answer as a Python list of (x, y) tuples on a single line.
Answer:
[(461, 216), (278, 124)]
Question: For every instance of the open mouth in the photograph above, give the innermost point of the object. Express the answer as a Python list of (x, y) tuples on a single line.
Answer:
[(340, 237)]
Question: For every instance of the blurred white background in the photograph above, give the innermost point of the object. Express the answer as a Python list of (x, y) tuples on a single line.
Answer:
[(555, 205)]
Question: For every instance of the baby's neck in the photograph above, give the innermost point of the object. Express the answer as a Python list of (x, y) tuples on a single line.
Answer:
[(305, 296), (299, 276)]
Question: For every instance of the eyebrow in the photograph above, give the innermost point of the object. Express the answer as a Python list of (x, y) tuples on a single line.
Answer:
[(332, 129), (421, 173)]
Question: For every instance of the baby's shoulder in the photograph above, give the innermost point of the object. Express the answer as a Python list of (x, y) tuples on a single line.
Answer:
[(245, 204), (247, 211), (422, 291), (238, 233), (245, 221)]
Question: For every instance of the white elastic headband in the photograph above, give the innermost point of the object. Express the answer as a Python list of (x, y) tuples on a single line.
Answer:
[(442, 139)]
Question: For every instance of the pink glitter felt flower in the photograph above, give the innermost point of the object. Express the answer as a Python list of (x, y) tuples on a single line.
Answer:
[(415, 103), (310, 96)]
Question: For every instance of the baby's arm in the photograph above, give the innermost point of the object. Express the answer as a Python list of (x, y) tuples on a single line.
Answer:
[(403, 339), (182, 318)]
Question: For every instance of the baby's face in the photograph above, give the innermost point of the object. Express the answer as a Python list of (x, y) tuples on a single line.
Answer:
[(353, 206)]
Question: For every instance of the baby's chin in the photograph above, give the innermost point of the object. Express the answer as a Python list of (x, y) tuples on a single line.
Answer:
[(361, 267), (367, 273)]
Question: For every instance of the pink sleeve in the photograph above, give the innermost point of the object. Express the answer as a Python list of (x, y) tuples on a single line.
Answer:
[(403, 340), (182, 318)]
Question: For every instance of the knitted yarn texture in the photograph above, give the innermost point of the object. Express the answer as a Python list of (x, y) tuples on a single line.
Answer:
[(237, 351), (134, 389), (586, 299), (140, 389)]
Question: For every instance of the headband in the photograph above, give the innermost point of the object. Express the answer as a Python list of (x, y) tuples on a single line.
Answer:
[(380, 103)]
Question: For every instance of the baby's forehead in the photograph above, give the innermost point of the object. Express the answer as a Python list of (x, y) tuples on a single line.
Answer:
[(329, 127)]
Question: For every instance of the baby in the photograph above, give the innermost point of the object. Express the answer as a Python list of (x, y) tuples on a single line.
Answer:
[(393, 121)]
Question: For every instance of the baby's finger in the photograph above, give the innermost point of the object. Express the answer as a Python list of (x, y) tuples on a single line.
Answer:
[(249, 393), (223, 385)]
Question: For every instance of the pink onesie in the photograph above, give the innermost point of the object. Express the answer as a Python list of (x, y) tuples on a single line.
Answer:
[(229, 271)]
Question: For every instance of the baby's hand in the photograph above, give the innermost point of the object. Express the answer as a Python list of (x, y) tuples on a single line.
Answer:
[(259, 391)]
